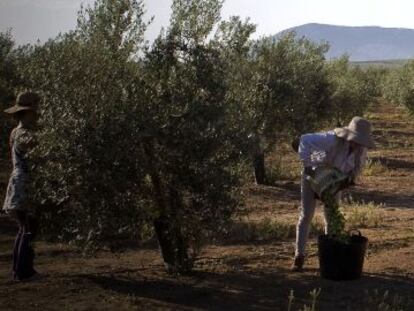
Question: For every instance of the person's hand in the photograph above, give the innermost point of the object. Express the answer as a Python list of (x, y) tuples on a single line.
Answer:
[(344, 184), (309, 171), (350, 182), (295, 144)]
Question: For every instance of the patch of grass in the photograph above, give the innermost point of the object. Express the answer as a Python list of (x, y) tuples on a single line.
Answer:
[(373, 301), (285, 170), (264, 230), (314, 295), (317, 226), (397, 145), (375, 168), (267, 229), (386, 302), (364, 215)]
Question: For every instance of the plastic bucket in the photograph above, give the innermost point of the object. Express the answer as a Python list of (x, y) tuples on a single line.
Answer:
[(341, 261)]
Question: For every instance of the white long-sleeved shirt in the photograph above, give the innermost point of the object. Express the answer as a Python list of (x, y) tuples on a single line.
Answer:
[(327, 149)]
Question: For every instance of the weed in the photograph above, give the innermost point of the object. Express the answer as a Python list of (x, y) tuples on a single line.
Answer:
[(385, 302), (267, 229), (314, 295), (373, 301), (375, 168), (317, 226), (364, 215)]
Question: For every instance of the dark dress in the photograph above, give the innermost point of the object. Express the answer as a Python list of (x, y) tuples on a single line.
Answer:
[(16, 205)]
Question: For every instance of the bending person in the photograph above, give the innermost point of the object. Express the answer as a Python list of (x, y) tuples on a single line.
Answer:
[(344, 148)]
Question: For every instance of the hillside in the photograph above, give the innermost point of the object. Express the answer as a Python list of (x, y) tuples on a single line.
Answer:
[(361, 43)]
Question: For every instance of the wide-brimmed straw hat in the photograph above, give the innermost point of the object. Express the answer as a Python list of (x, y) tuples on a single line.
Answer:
[(359, 131), (25, 101)]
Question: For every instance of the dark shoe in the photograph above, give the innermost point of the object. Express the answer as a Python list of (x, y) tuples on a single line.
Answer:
[(298, 263), (35, 277), (23, 275)]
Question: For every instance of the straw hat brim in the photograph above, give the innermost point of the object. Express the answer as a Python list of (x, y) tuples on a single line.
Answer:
[(17, 108), (348, 134)]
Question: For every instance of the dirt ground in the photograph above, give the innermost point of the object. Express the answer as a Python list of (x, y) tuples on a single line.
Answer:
[(251, 275)]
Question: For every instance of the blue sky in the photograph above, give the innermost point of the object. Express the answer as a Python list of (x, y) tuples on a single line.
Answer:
[(41, 19)]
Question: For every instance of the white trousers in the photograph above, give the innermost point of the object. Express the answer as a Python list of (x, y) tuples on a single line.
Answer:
[(307, 210)]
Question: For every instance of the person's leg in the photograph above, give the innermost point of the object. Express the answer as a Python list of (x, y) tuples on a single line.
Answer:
[(17, 242), (24, 254), (32, 225), (307, 211), (31, 233)]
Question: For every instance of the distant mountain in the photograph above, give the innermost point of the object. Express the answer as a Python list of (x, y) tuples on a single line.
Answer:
[(367, 43)]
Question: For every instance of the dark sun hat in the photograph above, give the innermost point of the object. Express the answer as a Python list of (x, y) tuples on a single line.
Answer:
[(25, 101), (359, 131)]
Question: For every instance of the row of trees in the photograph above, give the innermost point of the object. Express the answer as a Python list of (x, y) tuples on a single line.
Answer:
[(138, 138), (398, 86)]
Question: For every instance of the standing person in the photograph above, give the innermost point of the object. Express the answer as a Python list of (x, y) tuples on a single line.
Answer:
[(16, 203), (344, 148)]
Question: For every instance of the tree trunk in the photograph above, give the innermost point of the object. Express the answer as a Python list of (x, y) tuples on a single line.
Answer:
[(173, 245), (259, 168), (174, 248), (258, 158)]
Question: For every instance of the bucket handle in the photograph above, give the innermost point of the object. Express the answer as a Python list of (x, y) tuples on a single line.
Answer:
[(353, 231)]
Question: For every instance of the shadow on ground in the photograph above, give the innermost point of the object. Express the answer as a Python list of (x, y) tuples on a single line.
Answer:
[(381, 197), (394, 163), (259, 291)]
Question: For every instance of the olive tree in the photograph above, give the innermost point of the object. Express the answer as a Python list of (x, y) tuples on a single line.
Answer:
[(399, 86), (352, 90), (193, 150), (90, 178), (283, 91), (134, 136), (8, 82), (392, 85)]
